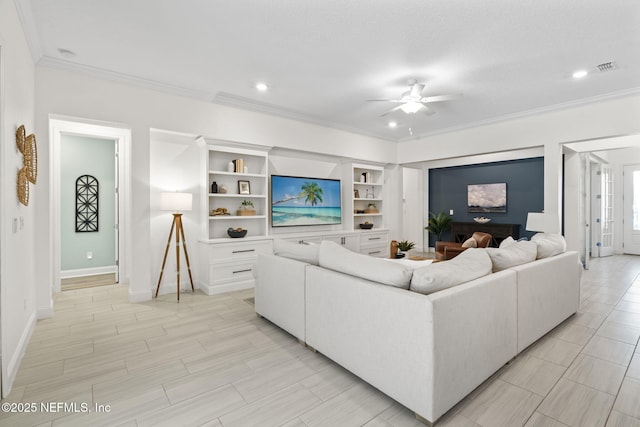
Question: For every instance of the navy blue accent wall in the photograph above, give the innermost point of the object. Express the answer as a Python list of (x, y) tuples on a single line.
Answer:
[(525, 190)]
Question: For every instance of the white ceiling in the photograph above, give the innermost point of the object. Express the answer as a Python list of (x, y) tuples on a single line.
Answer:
[(324, 58)]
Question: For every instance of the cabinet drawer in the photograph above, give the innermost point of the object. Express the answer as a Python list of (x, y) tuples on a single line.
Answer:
[(374, 238), (231, 272), (238, 251), (380, 251), (303, 240)]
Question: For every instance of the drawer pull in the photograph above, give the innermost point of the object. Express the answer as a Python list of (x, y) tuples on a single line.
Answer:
[(244, 250), (242, 271), (375, 238), (374, 252)]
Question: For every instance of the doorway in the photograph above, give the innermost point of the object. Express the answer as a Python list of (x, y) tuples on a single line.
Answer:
[(631, 216), (114, 140), (88, 211)]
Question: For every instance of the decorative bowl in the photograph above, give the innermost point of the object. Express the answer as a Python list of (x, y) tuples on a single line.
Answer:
[(481, 219), (236, 232), (366, 226)]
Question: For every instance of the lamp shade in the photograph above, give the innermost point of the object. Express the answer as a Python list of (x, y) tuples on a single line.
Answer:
[(542, 222), (176, 201)]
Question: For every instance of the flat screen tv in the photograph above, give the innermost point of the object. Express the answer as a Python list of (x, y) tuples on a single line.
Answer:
[(487, 197), (298, 201)]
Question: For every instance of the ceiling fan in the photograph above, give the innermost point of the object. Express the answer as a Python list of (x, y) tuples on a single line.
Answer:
[(412, 100)]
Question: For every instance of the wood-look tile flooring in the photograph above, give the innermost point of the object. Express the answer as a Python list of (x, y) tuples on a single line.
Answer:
[(209, 361), (82, 282)]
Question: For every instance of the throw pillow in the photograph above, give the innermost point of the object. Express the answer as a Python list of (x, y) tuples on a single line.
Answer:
[(469, 265), (507, 242), (470, 243), (549, 244), (335, 257), (515, 254), (303, 253)]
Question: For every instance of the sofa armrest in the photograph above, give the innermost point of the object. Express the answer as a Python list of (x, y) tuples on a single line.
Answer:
[(279, 292), (452, 251), (548, 293)]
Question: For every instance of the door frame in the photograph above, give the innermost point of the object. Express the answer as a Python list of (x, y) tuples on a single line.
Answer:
[(59, 125), (627, 202)]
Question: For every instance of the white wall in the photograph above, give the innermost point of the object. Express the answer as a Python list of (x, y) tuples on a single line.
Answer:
[(76, 95), (549, 130), (17, 261)]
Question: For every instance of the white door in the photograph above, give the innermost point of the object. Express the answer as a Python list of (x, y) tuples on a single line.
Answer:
[(604, 220), (631, 217), (116, 226)]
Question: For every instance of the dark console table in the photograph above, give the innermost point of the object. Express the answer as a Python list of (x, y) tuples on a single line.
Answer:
[(461, 231)]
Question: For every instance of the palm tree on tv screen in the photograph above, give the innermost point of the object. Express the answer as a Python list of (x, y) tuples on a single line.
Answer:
[(312, 193)]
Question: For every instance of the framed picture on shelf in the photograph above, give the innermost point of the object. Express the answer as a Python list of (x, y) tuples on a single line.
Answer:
[(244, 187), (356, 194)]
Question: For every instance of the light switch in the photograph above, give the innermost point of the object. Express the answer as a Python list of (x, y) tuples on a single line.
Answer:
[(89, 255)]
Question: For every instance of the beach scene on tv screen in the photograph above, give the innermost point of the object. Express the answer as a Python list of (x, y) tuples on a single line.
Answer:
[(304, 201)]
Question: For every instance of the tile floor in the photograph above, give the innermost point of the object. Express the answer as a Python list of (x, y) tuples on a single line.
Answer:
[(209, 361)]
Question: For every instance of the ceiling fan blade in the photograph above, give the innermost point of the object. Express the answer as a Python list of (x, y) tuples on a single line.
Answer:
[(385, 100), (391, 111), (439, 98)]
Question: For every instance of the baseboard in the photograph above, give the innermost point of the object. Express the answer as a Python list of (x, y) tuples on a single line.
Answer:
[(228, 287), (46, 312), (170, 288), (14, 363), (81, 272)]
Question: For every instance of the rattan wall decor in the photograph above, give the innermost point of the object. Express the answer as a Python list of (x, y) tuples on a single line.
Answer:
[(87, 194), (29, 172)]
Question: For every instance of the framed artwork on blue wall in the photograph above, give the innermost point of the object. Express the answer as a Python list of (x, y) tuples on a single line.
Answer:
[(487, 198)]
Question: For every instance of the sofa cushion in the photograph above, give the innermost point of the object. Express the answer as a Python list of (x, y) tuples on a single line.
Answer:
[(507, 242), (297, 251), (470, 243), (335, 257), (512, 255), (549, 244), (469, 265)]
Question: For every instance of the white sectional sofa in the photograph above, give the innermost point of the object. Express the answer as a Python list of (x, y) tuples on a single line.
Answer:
[(425, 337)]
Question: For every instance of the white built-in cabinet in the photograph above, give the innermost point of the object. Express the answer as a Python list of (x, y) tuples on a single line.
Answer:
[(367, 195), (226, 264), (218, 167)]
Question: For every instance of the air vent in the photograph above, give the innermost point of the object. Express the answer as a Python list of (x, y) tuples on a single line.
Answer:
[(607, 66)]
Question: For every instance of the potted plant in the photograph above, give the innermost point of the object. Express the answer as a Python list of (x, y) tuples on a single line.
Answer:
[(438, 224), (371, 208), (405, 245), (246, 208)]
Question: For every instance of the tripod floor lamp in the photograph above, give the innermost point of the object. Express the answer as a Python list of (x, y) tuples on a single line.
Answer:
[(176, 202)]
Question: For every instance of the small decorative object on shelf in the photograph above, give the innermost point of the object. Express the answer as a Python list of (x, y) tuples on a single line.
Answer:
[(370, 194), (222, 189), (236, 232), (481, 219), (231, 167), (356, 194), (238, 165), (371, 209), (246, 208), (244, 187), (220, 211), (214, 187), (366, 225)]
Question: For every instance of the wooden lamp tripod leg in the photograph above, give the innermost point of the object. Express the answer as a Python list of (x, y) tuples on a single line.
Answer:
[(166, 252), (186, 255), (178, 220)]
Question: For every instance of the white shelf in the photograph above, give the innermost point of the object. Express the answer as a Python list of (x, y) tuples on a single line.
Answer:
[(364, 199), (238, 196), (235, 217), (368, 184), (368, 214), (216, 156), (240, 174)]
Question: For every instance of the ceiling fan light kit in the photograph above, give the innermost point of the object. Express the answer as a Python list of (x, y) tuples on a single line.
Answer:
[(412, 100)]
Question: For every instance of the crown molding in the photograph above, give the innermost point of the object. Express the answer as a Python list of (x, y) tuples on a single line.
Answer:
[(61, 64), (231, 100), (528, 113)]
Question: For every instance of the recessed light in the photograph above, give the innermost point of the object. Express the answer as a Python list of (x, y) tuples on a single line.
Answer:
[(66, 53), (580, 74), (393, 124), (262, 87)]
